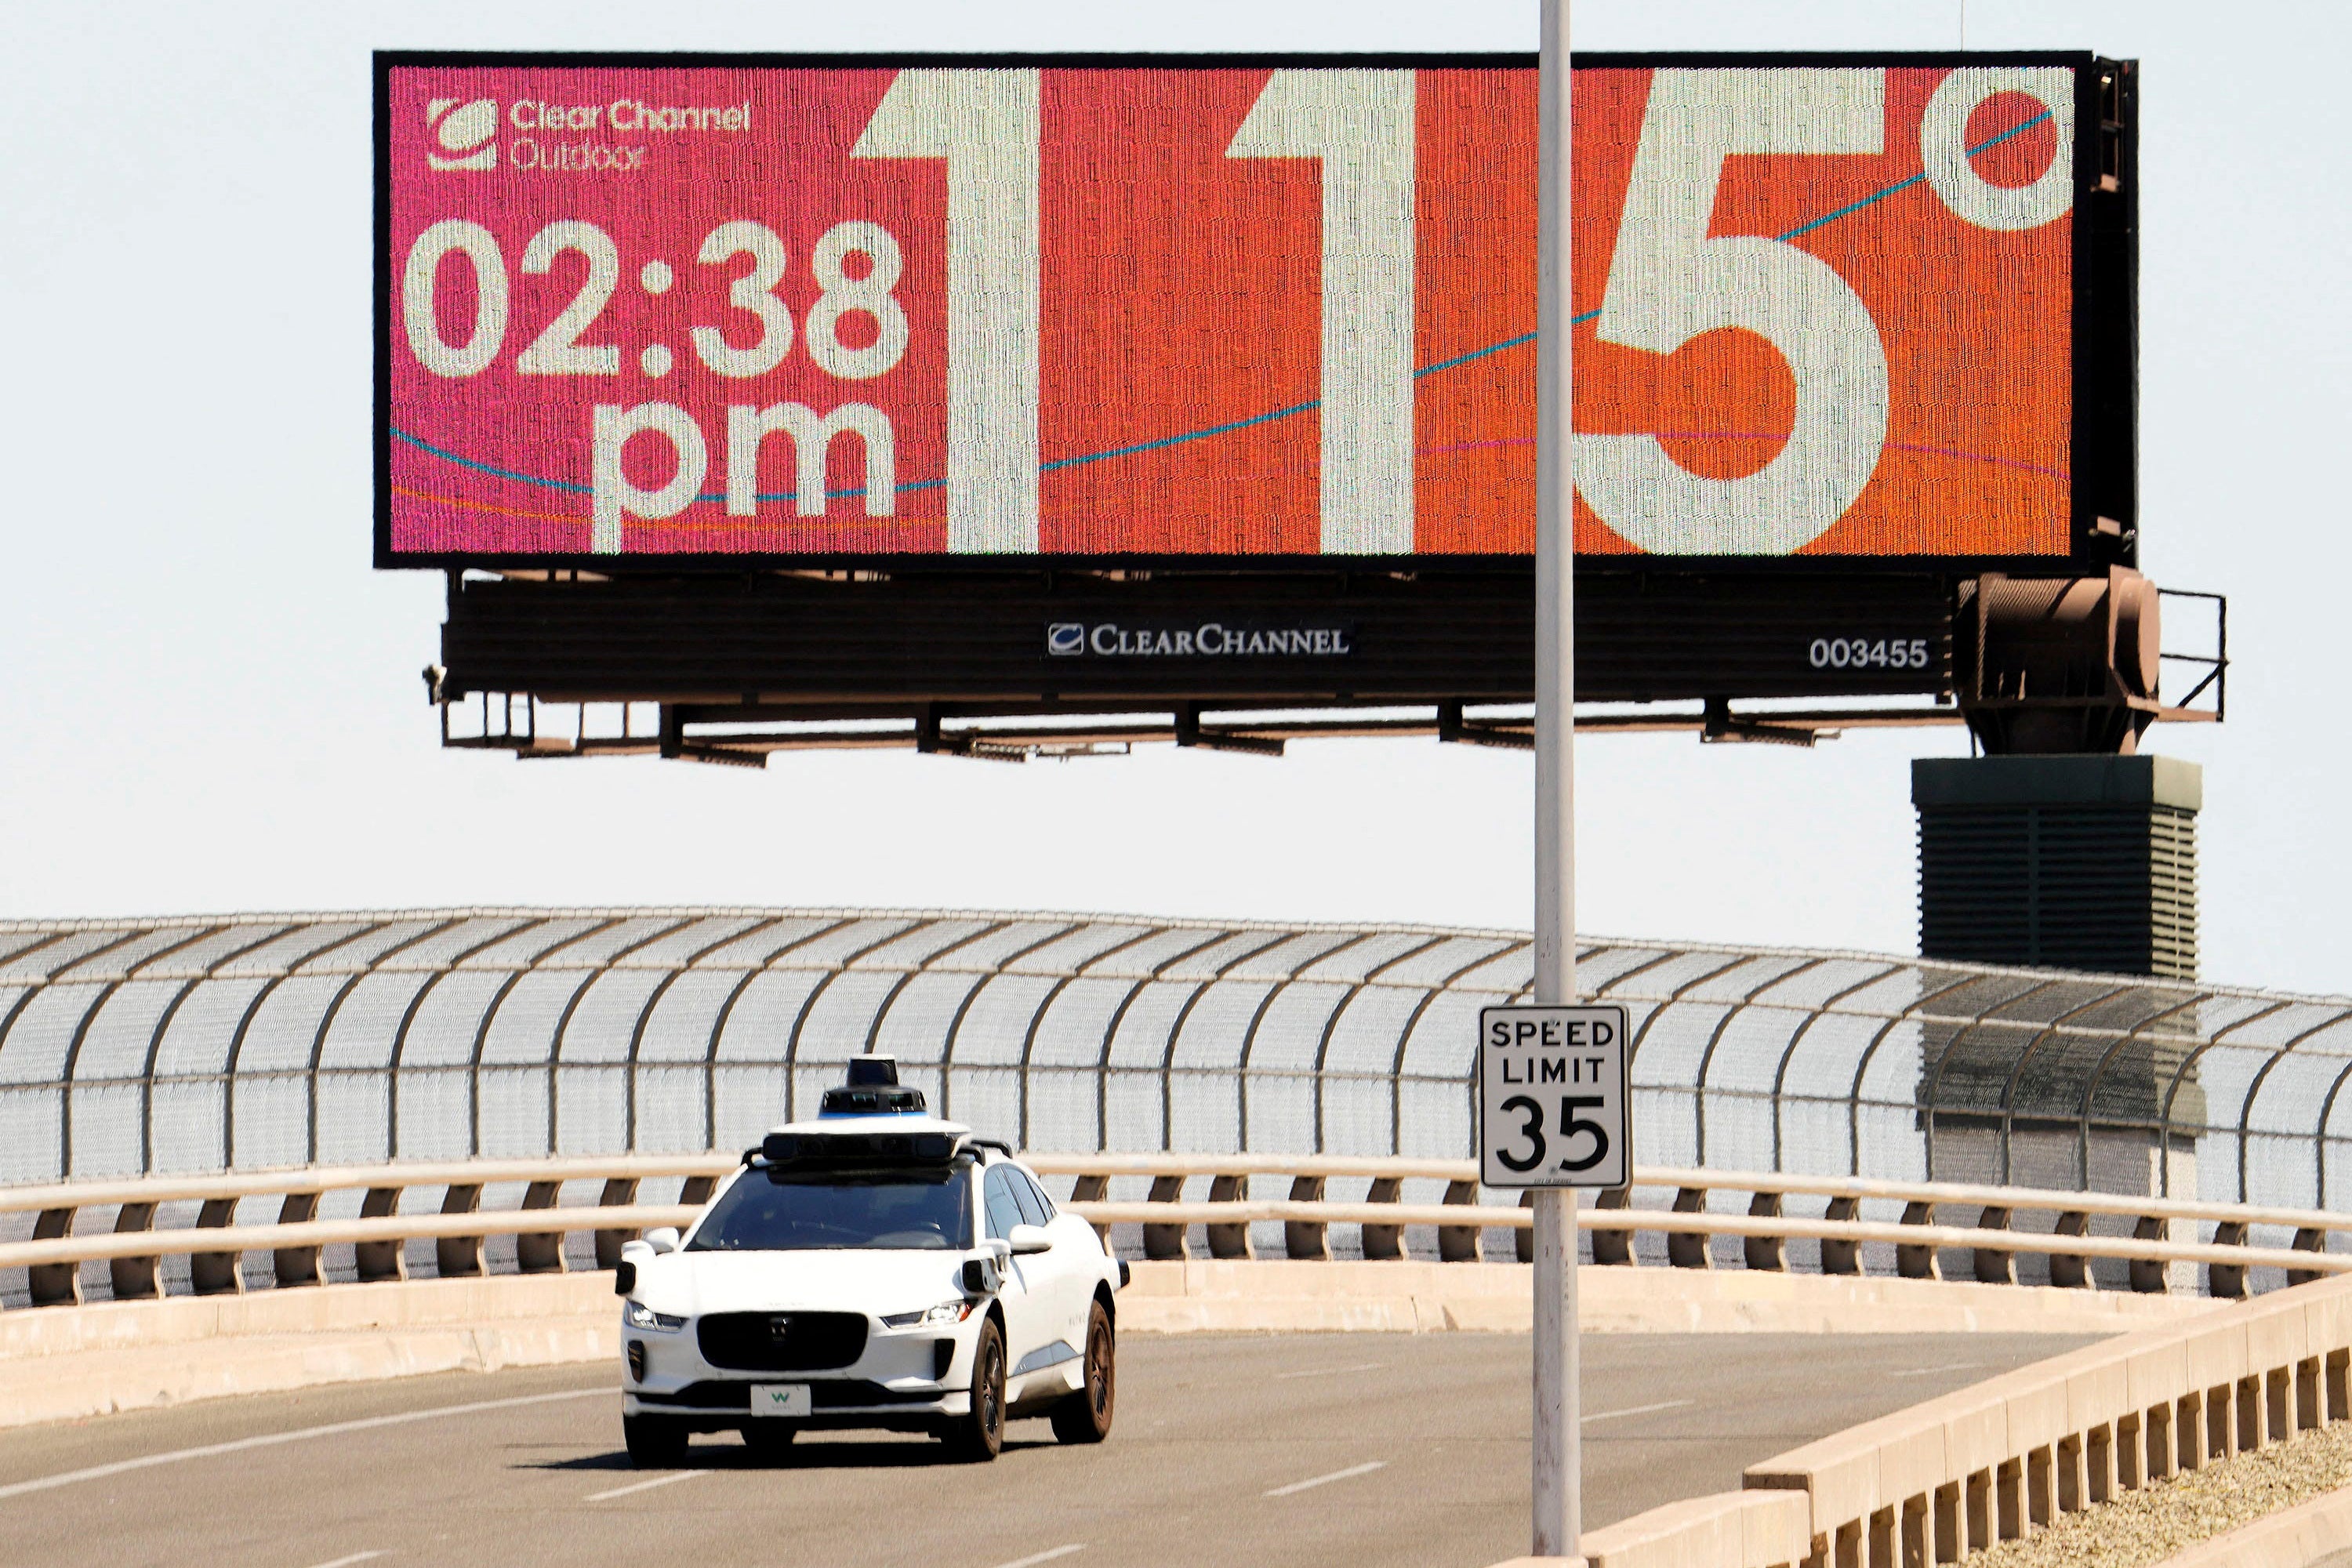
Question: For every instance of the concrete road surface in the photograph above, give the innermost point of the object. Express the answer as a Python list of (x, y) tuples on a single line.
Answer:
[(1240, 1451)]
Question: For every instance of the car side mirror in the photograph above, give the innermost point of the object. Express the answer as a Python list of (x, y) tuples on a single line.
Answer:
[(635, 1255), (1029, 1240), (663, 1239)]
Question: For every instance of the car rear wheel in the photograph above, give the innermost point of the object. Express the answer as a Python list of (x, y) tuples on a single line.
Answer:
[(978, 1436), (1085, 1416), (655, 1442)]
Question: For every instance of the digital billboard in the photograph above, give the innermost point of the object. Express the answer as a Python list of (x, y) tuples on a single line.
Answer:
[(679, 311)]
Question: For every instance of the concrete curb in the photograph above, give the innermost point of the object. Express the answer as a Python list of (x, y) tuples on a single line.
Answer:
[(105, 1382), (321, 1309), (68, 1363), (61, 1363), (1281, 1295), (2307, 1534)]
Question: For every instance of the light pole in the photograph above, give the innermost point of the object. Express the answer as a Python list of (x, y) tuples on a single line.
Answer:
[(1556, 1451)]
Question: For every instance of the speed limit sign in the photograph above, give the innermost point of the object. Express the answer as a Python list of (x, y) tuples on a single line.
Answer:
[(1553, 1110)]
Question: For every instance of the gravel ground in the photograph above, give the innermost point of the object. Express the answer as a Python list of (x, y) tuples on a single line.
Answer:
[(2148, 1526)]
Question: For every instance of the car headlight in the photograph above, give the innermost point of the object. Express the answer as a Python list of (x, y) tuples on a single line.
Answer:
[(946, 1312), (637, 1315)]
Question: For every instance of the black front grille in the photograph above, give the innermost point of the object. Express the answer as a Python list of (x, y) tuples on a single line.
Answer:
[(782, 1341), (702, 1396)]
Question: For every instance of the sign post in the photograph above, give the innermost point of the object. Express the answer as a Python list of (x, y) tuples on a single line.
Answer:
[(1558, 1463), (1555, 1115)]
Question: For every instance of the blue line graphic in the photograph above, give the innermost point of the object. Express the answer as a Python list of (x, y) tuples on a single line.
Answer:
[(1165, 442), (1049, 466), (1478, 353), (400, 434), (2017, 130)]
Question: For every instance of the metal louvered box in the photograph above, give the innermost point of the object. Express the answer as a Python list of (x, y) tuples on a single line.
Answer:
[(2065, 862)]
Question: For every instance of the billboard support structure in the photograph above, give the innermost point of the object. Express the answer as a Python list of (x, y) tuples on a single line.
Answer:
[(685, 366), (1556, 1455)]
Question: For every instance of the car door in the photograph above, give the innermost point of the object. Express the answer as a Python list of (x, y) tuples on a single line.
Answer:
[(1030, 1322), (1065, 1278)]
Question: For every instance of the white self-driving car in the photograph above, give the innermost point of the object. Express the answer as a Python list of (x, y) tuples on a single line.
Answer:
[(875, 1267)]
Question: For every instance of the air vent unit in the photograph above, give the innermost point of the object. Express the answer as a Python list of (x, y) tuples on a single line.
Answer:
[(2061, 862)]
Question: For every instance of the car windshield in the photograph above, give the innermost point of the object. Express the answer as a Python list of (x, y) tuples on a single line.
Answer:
[(795, 1211)]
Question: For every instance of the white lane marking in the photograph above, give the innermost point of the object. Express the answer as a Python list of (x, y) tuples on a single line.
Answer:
[(1325, 1481), (644, 1486), (1327, 1371), (1637, 1410), (1931, 1371), (1044, 1556), (271, 1439), (354, 1557)]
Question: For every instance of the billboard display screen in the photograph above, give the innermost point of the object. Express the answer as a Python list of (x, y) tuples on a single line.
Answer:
[(677, 310)]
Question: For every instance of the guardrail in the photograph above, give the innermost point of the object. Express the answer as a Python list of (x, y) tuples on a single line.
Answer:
[(215, 1243)]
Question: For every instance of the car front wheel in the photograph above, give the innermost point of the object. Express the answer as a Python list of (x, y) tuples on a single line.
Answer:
[(1085, 1416), (655, 1442), (978, 1436)]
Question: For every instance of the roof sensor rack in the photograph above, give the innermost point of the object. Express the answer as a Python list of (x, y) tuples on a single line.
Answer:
[(804, 1151), (872, 1089)]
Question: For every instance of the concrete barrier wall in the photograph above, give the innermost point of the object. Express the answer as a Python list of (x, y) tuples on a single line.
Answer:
[(72, 1363), (1270, 1295), (1956, 1475), (67, 1362)]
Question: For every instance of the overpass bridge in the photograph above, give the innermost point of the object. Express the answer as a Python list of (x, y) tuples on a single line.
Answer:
[(261, 1042), (271, 1087)]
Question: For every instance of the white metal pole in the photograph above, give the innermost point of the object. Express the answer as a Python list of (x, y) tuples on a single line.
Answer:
[(1557, 1460)]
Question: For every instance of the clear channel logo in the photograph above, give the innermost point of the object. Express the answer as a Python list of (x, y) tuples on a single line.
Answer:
[(464, 132), (1208, 639)]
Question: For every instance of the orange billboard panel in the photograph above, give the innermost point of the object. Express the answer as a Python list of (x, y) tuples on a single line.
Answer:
[(666, 307)]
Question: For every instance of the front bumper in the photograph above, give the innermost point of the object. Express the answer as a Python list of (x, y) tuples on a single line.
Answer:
[(907, 1379), (723, 1403)]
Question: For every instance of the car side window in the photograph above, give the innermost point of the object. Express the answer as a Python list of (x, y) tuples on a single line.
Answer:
[(1035, 1207), (1004, 1206)]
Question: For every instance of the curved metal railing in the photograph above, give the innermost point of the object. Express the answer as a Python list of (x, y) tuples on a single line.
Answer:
[(2163, 1239)]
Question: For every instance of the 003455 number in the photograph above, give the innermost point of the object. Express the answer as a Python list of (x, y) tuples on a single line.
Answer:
[(1868, 653), (1571, 1127)]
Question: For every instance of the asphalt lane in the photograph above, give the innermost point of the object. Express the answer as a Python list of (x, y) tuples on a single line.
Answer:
[(1346, 1450)]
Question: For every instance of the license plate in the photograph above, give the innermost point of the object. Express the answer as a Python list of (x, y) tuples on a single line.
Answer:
[(779, 1399)]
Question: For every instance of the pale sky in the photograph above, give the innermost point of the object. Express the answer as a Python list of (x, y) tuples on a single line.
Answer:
[(213, 700)]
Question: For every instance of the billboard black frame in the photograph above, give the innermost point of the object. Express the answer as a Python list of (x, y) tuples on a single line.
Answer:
[(2103, 459)]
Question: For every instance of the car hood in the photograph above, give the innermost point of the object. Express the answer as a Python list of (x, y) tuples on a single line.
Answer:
[(875, 1281)]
